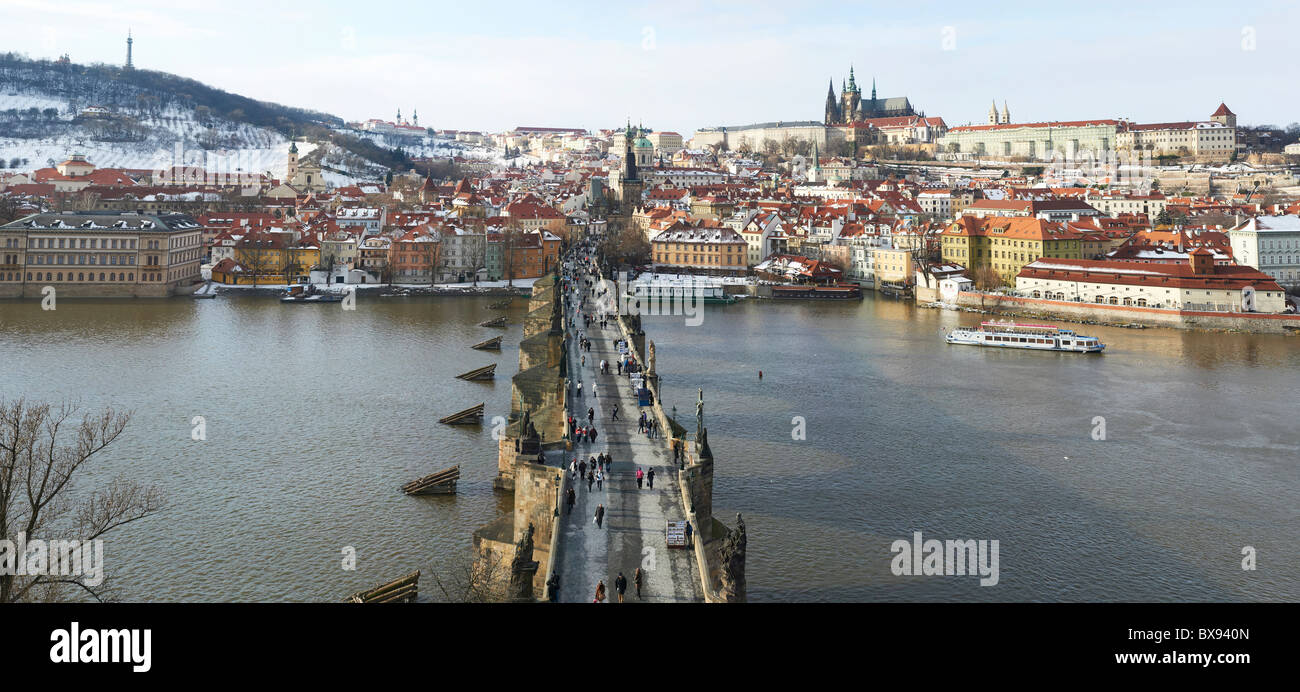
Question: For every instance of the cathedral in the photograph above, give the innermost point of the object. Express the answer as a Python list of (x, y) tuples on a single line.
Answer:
[(850, 107)]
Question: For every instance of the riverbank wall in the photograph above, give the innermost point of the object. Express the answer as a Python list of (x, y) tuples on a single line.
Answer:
[(1122, 315)]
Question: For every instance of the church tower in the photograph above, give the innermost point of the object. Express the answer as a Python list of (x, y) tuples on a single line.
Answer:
[(291, 168), (415, 117), (129, 65), (993, 113), (852, 97), (630, 186), (1224, 116), (1006, 114), (832, 106)]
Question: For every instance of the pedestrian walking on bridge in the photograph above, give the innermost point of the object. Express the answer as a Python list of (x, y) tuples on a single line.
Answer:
[(637, 578), (600, 516), (650, 478), (620, 585)]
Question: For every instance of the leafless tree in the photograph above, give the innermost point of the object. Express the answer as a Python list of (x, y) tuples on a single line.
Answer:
[(474, 579), (986, 278), (512, 236), (476, 258), (9, 209), (255, 256), (43, 453), (431, 252)]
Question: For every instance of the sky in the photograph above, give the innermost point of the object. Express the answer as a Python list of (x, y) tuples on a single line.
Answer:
[(681, 65)]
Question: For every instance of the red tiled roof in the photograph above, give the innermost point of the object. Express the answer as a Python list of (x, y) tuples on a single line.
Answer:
[(1231, 277)]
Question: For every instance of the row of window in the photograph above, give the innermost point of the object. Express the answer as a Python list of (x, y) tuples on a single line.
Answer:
[(82, 259), (697, 259), (85, 243), (86, 276)]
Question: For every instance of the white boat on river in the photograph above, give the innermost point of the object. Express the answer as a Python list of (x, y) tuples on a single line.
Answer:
[(1039, 337)]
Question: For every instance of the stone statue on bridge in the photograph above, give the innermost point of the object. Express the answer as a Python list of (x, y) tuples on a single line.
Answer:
[(731, 558), (522, 569), (702, 450)]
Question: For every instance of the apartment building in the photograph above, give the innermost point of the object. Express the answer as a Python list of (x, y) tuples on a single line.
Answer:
[(100, 254)]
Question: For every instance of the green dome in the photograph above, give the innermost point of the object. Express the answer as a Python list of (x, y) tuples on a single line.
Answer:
[(642, 142)]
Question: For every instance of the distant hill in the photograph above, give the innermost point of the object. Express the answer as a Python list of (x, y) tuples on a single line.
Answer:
[(137, 118)]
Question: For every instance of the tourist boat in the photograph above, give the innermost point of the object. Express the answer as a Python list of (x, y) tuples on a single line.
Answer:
[(812, 292), (708, 295), (1040, 337)]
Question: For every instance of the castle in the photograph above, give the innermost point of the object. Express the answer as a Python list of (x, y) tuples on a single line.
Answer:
[(850, 107)]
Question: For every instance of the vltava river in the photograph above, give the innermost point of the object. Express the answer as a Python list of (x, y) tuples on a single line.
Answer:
[(315, 415)]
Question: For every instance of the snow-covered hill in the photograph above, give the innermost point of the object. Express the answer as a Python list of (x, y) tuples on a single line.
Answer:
[(153, 120)]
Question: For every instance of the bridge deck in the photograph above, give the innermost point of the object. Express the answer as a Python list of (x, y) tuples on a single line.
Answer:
[(635, 519)]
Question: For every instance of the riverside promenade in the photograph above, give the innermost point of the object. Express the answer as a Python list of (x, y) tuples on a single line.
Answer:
[(634, 532)]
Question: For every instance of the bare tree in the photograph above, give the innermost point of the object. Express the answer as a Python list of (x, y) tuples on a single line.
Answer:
[(986, 278), (432, 253), (469, 579), (255, 254), (626, 246), (476, 258), (43, 452), (9, 209), (512, 236)]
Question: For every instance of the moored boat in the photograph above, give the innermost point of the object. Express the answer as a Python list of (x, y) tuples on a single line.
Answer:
[(813, 292), (1037, 337)]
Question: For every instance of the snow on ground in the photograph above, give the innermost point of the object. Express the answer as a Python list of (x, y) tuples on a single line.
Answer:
[(340, 179), (10, 100), (173, 139)]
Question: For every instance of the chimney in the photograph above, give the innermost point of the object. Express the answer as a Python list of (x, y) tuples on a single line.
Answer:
[(1202, 261)]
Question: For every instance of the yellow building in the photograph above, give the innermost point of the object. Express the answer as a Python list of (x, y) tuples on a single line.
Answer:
[(894, 266), (270, 257), (700, 248), (1007, 243)]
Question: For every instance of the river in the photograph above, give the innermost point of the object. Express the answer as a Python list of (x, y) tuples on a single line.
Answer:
[(315, 415)]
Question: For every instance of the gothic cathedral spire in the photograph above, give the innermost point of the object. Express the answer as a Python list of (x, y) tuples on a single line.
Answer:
[(832, 105)]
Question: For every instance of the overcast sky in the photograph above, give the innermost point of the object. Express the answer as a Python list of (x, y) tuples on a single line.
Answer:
[(684, 64)]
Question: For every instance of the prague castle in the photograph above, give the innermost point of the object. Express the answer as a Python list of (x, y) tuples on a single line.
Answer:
[(850, 107)]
